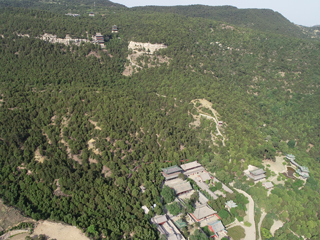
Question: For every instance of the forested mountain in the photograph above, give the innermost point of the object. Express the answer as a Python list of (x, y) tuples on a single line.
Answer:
[(258, 19), (69, 116)]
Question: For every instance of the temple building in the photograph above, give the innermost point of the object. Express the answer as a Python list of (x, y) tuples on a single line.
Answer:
[(181, 188), (257, 174), (217, 228), (303, 172), (192, 168), (202, 212), (171, 172), (114, 29), (267, 185)]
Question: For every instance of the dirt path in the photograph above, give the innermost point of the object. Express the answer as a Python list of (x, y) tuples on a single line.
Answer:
[(260, 222), (12, 233), (217, 126), (250, 231), (205, 103), (276, 225)]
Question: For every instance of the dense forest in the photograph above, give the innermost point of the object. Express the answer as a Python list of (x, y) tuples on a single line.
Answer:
[(78, 138)]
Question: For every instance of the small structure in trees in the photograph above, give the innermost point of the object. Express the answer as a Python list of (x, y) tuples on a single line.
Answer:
[(114, 29), (91, 14), (267, 185), (231, 204)]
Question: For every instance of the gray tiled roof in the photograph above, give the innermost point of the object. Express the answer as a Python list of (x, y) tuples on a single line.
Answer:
[(203, 211), (182, 187)]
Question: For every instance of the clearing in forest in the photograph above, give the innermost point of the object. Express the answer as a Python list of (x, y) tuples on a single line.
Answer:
[(38, 157), (141, 55)]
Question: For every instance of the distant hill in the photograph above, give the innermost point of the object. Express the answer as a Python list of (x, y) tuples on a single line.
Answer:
[(60, 6), (258, 19)]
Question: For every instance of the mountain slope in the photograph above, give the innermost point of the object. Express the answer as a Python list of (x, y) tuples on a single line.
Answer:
[(258, 19)]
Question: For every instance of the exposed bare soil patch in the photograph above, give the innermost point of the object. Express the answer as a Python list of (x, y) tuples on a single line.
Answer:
[(309, 147), (106, 171), (10, 217), (95, 124), (38, 157), (58, 231), (93, 53), (141, 55), (58, 191)]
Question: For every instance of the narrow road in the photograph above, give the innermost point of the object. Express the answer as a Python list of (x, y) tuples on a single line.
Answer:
[(250, 231), (260, 222), (217, 125)]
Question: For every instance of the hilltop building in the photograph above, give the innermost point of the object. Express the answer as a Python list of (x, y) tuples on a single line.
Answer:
[(171, 172), (99, 38), (114, 29)]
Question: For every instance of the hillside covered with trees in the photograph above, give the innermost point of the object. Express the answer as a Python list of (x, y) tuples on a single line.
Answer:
[(78, 138)]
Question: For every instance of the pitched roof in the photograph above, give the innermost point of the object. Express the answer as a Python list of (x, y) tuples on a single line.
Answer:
[(257, 172), (182, 187), (202, 198), (171, 169), (258, 177), (194, 170), (203, 211), (231, 204), (216, 226), (190, 165), (290, 156), (160, 219), (304, 169), (180, 223), (268, 185), (205, 176)]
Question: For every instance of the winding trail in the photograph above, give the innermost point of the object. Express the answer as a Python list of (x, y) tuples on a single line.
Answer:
[(260, 222), (217, 125)]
